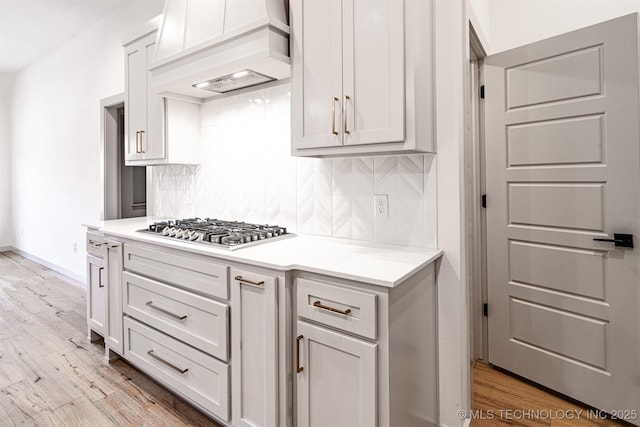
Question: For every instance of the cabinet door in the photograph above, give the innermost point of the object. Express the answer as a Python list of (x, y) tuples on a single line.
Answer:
[(144, 109), (373, 71), (113, 324), (153, 140), (317, 73), (254, 340), (95, 294), (136, 106), (337, 385)]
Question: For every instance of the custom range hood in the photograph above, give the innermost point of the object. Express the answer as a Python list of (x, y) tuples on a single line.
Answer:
[(209, 47)]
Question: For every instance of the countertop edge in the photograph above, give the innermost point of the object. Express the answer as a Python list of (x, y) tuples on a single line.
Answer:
[(285, 267)]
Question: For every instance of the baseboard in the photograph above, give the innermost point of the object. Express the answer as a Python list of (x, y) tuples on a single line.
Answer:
[(78, 277), (6, 248)]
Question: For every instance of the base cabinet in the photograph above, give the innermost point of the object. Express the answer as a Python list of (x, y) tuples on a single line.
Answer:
[(254, 348), (113, 324), (336, 379)]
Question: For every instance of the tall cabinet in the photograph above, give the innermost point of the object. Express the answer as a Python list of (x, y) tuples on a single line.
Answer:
[(361, 77), (144, 109)]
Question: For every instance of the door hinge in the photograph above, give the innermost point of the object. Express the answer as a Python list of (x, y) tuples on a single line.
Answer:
[(482, 92), (483, 200), (485, 310)]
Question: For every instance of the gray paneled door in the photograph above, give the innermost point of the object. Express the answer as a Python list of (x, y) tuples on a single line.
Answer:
[(563, 168)]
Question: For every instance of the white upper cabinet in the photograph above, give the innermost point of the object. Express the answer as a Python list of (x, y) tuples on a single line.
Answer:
[(158, 130), (361, 77), (144, 110)]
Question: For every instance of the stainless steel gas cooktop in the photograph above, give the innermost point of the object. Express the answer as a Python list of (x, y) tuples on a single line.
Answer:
[(217, 233)]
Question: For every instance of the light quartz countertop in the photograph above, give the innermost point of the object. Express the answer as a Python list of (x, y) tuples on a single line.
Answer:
[(374, 263)]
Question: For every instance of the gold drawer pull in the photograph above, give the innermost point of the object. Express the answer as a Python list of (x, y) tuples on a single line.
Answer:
[(344, 113), (331, 309), (333, 115), (167, 312), (249, 282), (298, 367), (169, 364), (141, 135)]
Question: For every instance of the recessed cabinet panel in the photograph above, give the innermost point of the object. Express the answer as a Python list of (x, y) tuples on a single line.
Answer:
[(321, 75), (254, 349), (195, 375), (337, 385), (373, 72), (136, 99), (113, 326), (96, 304)]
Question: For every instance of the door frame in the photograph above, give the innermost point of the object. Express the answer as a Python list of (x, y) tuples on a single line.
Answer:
[(110, 144), (475, 215)]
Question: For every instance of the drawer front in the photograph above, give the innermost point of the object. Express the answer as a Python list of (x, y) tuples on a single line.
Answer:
[(94, 244), (192, 272), (191, 318), (196, 376), (338, 306)]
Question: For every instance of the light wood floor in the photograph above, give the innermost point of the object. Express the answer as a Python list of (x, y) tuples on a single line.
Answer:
[(513, 401), (51, 375)]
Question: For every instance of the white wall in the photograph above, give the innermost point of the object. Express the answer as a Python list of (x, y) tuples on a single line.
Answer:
[(6, 230), (247, 173), (56, 137), (515, 23)]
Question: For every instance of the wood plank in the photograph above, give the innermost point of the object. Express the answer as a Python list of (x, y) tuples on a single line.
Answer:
[(503, 395), (122, 410), (82, 413), (22, 403)]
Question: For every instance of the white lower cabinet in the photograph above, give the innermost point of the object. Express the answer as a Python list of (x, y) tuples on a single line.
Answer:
[(254, 348), (250, 346), (113, 324), (336, 379), (95, 295)]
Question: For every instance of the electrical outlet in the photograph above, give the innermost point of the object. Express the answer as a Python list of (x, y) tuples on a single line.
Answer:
[(381, 205), (75, 247), (22, 231)]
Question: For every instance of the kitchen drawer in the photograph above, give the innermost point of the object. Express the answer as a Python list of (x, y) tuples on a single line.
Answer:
[(94, 244), (191, 318), (338, 306), (198, 377), (192, 272)]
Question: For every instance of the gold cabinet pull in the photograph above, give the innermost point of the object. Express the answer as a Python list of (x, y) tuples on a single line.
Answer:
[(333, 115), (344, 113), (167, 312), (141, 134), (298, 367), (100, 284), (169, 364), (331, 309), (249, 282), (95, 244)]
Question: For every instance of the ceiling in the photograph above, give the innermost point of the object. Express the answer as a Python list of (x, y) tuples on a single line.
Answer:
[(29, 29)]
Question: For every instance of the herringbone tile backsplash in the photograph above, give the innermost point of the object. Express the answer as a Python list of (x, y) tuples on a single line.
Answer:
[(247, 173)]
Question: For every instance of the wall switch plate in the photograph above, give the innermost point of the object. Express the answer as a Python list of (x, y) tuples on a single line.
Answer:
[(381, 205), (75, 248)]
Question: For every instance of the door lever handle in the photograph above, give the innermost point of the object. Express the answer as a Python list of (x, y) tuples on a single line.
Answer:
[(620, 240)]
